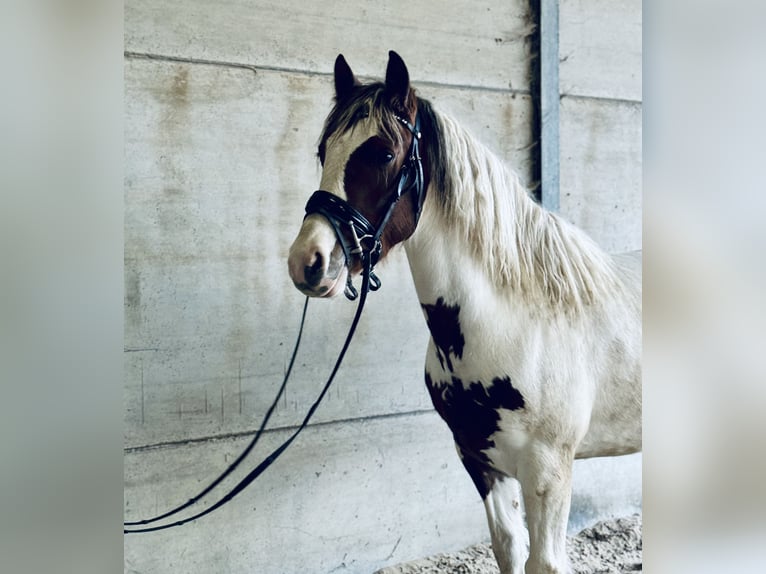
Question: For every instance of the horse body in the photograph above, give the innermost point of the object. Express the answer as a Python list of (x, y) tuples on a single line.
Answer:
[(570, 385), (534, 356), (577, 372)]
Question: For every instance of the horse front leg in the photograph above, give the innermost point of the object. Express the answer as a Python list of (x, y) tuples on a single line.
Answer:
[(506, 525), (546, 482), (501, 495)]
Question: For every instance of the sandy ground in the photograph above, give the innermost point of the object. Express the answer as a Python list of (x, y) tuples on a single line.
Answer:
[(611, 546)]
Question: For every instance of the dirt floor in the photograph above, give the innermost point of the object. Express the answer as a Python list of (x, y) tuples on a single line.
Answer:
[(611, 546)]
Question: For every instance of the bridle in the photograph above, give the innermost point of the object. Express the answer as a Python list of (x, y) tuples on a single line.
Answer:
[(366, 244), (365, 237)]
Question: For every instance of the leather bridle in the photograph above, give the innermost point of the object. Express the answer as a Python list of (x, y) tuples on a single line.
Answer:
[(364, 236)]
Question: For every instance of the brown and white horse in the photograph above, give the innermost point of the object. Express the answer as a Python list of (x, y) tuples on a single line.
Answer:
[(534, 357)]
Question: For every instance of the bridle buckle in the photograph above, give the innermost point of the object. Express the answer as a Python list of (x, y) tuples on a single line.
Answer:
[(357, 250)]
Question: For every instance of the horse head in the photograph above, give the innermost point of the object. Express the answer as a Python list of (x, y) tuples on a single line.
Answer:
[(373, 182)]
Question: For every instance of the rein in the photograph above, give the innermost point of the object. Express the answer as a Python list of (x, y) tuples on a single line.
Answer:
[(256, 472), (240, 458), (339, 213)]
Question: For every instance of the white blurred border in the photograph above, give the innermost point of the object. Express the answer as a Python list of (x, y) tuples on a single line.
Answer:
[(704, 286), (61, 286)]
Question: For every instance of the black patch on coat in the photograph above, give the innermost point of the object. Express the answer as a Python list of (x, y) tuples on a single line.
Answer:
[(472, 413), (444, 323), (482, 475)]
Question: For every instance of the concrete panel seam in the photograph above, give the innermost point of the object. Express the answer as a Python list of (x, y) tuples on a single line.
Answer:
[(255, 68), (602, 99), (200, 61), (242, 434)]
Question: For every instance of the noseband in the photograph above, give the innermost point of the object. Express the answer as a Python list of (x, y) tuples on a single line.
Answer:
[(365, 237)]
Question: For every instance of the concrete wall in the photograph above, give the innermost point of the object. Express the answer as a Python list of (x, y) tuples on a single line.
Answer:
[(223, 106), (600, 77)]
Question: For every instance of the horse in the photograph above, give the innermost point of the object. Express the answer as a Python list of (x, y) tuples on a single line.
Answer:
[(535, 332)]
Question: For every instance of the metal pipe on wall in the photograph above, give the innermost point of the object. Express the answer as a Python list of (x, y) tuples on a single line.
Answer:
[(545, 95)]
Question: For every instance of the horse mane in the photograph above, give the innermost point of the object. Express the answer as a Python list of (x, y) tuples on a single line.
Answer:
[(521, 245)]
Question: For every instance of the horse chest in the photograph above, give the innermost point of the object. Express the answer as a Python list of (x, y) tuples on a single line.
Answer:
[(471, 406)]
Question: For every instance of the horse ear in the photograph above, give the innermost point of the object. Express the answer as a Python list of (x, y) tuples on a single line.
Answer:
[(397, 79), (344, 79)]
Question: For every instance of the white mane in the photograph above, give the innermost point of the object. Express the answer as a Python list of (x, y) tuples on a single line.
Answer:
[(523, 246)]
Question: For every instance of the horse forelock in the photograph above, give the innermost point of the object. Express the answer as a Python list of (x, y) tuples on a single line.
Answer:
[(366, 101)]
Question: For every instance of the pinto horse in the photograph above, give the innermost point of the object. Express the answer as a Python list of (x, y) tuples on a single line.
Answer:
[(534, 355)]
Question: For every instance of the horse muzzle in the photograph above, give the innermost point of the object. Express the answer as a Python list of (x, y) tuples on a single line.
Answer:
[(316, 262)]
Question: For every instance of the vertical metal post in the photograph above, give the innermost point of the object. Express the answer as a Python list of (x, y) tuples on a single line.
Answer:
[(548, 101)]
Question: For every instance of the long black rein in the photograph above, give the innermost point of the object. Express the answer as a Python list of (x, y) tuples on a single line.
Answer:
[(339, 213), (258, 470)]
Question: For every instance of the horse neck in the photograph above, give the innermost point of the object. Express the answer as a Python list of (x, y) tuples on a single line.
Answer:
[(482, 235)]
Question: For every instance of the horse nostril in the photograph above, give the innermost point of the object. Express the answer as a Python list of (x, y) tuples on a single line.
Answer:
[(315, 271)]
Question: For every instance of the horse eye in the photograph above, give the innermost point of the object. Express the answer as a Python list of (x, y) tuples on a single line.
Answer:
[(375, 154)]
